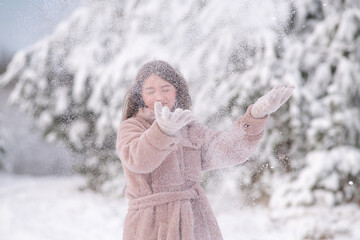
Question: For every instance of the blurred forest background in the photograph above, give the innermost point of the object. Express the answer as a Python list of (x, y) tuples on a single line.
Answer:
[(72, 83)]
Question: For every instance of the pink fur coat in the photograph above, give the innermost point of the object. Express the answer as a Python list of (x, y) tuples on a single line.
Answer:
[(163, 174)]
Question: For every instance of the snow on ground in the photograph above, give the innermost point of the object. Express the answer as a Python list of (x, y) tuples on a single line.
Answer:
[(52, 208)]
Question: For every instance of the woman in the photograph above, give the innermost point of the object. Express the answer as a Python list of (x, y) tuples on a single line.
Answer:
[(163, 150)]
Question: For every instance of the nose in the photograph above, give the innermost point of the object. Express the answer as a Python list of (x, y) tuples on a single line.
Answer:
[(159, 96)]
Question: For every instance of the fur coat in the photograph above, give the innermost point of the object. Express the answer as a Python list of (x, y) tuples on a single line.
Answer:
[(163, 174)]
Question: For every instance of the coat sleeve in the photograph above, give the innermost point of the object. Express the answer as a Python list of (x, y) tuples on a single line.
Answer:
[(225, 149), (142, 150)]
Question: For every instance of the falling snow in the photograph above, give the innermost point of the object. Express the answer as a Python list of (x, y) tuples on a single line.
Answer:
[(307, 168)]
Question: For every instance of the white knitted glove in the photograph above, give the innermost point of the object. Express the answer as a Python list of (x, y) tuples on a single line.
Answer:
[(271, 101), (171, 122)]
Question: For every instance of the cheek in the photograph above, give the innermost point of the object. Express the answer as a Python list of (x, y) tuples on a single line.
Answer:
[(171, 97), (149, 101)]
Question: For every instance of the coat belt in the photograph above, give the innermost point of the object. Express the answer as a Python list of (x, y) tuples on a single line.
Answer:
[(164, 197)]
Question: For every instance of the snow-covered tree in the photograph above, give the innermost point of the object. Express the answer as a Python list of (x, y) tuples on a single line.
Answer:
[(74, 80), (231, 52), (319, 54), (325, 64)]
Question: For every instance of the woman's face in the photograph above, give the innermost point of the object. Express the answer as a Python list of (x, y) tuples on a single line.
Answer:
[(156, 89)]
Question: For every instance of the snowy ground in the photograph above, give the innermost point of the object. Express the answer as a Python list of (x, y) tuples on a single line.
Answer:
[(52, 208)]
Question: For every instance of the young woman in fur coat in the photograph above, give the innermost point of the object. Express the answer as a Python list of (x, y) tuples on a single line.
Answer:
[(164, 149)]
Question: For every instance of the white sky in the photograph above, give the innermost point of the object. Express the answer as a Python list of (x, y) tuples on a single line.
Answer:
[(22, 22)]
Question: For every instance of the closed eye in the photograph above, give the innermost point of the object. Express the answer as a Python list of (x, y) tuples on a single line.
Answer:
[(166, 88)]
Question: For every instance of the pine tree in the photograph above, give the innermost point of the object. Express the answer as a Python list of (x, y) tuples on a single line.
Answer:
[(54, 80), (324, 62), (319, 54)]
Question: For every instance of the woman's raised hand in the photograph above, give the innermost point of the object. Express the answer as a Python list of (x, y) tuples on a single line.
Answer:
[(171, 122), (271, 101)]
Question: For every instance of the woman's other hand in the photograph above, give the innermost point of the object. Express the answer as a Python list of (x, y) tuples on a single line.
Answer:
[(171, 122), (271, 101)]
